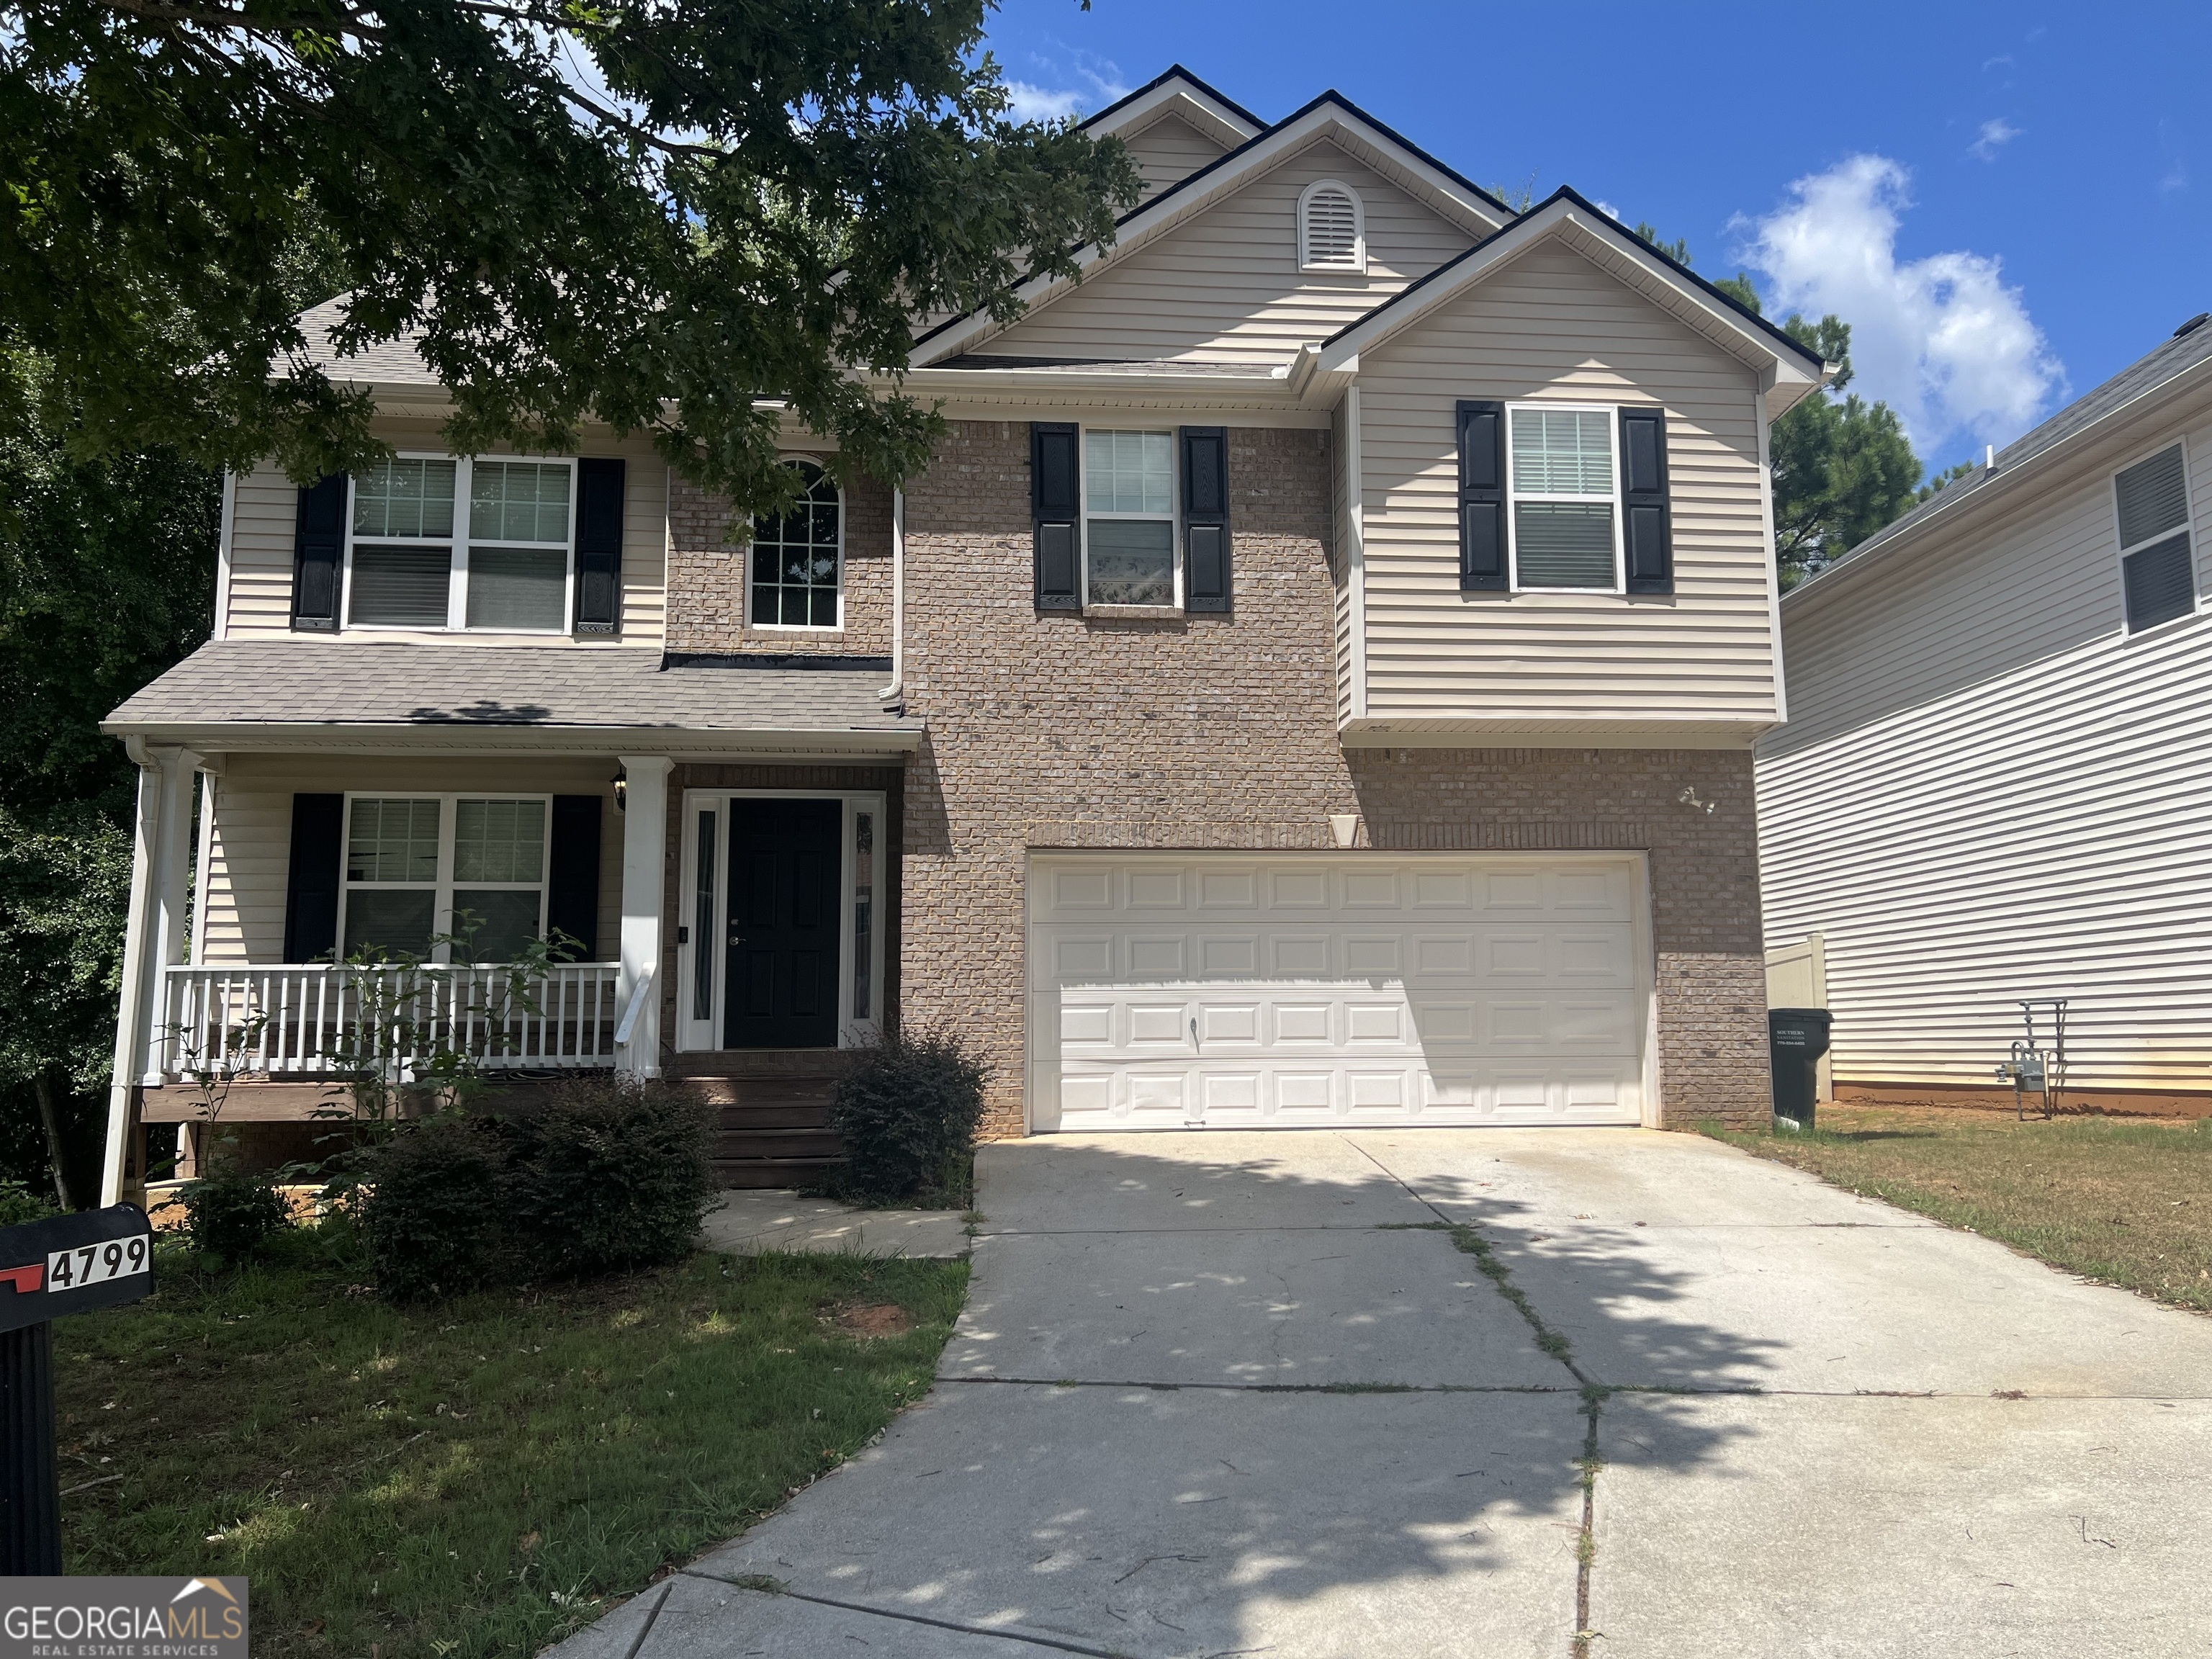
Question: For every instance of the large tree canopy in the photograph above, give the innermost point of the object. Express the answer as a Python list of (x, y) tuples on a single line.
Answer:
[(665, 214)]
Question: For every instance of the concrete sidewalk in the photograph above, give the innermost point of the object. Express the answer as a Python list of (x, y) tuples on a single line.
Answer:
[(1247, 1393)]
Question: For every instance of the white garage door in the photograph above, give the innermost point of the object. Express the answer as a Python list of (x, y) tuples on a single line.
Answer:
[(1171, 991)]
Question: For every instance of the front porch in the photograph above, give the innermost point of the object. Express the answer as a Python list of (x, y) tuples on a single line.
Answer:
[(319, 905)]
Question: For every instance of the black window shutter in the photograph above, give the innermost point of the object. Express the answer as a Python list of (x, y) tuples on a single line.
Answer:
[(572, 872), (1650, 538), (1482, 497), (311, 885), (318, 554), (598, 544), (1205, 581), (1053, 490)]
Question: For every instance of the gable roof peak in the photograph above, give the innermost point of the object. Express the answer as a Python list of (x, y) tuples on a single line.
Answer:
[(1233, 123)]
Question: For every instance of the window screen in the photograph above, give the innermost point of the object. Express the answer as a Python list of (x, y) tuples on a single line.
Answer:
[(1562, 474), (2157, 579), (1128, 488)]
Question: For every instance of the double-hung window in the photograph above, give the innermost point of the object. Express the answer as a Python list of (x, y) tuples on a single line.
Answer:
[(2157, 579), (418, 867), (1566, 505), (1129, 518), (436, 542)]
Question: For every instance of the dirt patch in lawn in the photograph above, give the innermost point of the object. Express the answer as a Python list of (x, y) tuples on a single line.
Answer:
[(2125, 1202), (873, 1319)]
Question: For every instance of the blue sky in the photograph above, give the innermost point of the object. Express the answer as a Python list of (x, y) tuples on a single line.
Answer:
[(2008, 203)]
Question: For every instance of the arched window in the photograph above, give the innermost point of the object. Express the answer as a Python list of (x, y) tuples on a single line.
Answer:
[(1332, 228), (798, 558)]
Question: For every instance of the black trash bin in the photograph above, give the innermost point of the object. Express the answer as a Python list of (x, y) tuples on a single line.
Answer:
[(1796, 1040)]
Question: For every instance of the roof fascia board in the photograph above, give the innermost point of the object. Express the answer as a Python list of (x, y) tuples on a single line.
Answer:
[(465, 737), (1326, 115), (1566, 214), (1203, 115), (1138, 108), (2046, 468)]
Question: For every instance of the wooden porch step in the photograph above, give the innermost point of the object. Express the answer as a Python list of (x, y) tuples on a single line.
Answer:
[(761, 1063), (756, 1172)]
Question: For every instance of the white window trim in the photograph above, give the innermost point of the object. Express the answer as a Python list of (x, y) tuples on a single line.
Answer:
[(1174, 516), (705, 1036), (753, 552), (2188, 527), (1358, 265), (441, 908), (1611, 412), (457, 584)]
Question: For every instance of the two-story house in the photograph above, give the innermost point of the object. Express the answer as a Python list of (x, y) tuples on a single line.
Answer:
[(1994, 787), (1313, 684)]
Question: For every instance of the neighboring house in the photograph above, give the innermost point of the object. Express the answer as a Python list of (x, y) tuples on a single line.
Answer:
[(1998, 776), (1314, 683)]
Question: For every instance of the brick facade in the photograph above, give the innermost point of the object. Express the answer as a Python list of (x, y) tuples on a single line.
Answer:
[(707, 591), (1220, 732)]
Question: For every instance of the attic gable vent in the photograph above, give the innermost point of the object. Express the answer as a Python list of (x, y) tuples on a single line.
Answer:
[(1332, 228)]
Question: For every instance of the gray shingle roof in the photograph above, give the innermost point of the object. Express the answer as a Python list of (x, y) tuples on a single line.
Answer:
[(385, 362), (346, 682), (2174, 357)]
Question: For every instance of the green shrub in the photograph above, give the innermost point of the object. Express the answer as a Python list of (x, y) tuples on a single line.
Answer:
[(907, 1112), (430, 1209), (19, 1204), (611, 1175), (232, 1212)]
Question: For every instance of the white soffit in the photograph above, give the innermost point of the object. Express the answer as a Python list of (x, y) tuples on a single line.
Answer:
[(1327, 119)]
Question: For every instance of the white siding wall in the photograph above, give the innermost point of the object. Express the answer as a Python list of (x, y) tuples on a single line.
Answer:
[(1990, 792), (1553, 326), (250, 845), (265, 517), (1169, 151), (1227, 288)]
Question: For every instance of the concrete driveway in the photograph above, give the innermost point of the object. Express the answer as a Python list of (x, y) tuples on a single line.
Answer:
[(1489, 1393)]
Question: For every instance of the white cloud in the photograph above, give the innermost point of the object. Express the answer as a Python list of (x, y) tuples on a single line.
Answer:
[(1941, 340), (1031, 102), (1996, 134), (1607, 209)]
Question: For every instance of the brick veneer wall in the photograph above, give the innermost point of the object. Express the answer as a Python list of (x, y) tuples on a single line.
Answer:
[(707, 591), (1220, 732)]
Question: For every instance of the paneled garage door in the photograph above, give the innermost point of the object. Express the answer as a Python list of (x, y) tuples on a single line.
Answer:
[(1171, 991)]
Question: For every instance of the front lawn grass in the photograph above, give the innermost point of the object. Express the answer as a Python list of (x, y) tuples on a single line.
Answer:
[(479, 1477), (2127, 1202)]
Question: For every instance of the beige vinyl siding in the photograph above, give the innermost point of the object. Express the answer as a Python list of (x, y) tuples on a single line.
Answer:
[(264, 516), (1226, 286), (1992, 791), (1168, 151), (250, 847), (1339, 552), (1552, 327)]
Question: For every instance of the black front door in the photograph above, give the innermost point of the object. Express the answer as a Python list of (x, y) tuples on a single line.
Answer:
[(782, 981)]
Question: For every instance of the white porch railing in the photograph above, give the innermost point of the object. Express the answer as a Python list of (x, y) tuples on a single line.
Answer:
[(294, 1020)]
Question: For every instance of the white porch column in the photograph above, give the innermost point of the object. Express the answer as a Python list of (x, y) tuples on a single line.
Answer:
[(645, 857), (154, 933)]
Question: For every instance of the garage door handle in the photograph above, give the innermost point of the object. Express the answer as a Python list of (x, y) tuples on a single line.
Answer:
[(1193, 1031)]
